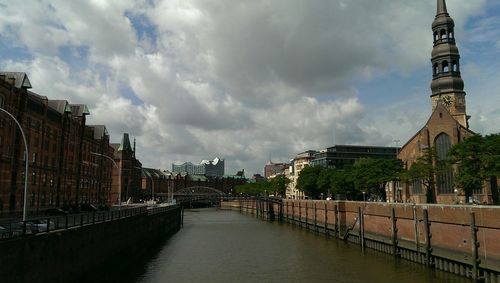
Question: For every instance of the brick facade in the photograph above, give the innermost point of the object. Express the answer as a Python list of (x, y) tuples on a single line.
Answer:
[(61, 170)]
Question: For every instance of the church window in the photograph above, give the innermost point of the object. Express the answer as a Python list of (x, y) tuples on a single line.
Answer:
[(450, 34), (454, 66), (436, 69), (435, 36), (445, 178), (416, 186), (446, 68)]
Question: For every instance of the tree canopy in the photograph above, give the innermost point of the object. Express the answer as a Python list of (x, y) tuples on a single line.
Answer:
[(477, 159)]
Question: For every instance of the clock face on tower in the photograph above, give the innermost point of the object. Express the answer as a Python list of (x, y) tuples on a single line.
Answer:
[(447, 100)]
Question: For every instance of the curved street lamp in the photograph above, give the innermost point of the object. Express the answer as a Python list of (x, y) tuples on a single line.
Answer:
[(26, 161), (119, 177)]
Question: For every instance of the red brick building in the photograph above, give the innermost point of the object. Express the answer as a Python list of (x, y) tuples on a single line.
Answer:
[(61, 170), (127, 178)]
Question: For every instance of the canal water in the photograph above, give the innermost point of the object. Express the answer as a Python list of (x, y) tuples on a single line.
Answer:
[(227, 246)]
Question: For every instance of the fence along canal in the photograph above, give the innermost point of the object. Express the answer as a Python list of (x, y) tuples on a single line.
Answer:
[(459, 239)]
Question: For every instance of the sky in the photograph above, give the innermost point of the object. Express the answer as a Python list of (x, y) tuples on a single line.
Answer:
[(250, 81)]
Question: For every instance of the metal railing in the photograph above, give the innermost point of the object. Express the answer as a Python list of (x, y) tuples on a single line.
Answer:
[(11, 229)]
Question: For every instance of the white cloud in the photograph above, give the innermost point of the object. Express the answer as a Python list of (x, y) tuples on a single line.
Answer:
[(244, 80)]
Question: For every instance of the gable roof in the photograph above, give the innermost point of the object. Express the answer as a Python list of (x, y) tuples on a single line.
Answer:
[(20, 79)]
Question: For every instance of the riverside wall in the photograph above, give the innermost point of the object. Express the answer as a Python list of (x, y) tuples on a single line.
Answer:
[(72, 254), (464, 240)]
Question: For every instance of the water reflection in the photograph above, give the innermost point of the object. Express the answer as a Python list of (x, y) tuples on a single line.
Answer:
[(226, 246)]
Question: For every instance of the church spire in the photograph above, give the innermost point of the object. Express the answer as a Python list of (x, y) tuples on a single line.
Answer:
[(447, 83), (441, 7)]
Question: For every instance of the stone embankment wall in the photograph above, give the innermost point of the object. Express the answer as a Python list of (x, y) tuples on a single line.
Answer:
[(69, 255), (460, 239)]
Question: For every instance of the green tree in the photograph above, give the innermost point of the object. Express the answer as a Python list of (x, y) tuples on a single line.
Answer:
[(253, 189), (278, 185), (425, 169), (371, 175), (342, 183), (476, 159), (307, 181), (324, 181)]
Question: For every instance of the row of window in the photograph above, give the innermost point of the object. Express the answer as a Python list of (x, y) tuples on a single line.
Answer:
[(446, 67), (443, 34)]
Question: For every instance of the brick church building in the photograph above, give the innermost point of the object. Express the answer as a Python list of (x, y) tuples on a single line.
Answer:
[(448, 123)]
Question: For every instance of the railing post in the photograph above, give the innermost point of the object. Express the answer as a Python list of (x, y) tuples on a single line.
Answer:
[(81, 220), (66, 222), (93, 217), (24, 227), (475, 245), (48, 225)]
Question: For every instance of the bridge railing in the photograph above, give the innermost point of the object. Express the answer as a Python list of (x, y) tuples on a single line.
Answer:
[(15, 228)]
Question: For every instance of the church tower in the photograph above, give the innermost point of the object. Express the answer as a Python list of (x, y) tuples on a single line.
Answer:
[(447, 84)]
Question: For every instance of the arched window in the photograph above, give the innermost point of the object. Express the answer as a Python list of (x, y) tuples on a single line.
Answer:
[(450, 33), (454, 66), (446, 68), (436, 69), (435, 36), (443, 34), (444, 178)]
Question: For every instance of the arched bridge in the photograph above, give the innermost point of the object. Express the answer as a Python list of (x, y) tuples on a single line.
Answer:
[(199, 195)]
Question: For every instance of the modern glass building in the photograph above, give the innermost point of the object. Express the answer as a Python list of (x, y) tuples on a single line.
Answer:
[(211, 168), (340, 156)]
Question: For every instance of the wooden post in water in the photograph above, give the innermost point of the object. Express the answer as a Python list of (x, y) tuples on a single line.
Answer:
[(475, 245), (300, 214), (182, 215), (257, 207), (417, 237), (286, 210), (361, 229), (326, 219), (428, 247), (394, 226), (315, 219), (337, 225), (307, 216)]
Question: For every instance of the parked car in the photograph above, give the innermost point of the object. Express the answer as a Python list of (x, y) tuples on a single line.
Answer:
[(88, 207), (55, 211), (38, 225)]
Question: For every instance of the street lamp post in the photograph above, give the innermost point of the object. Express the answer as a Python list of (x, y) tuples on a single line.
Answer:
[(26, 162), (119, 177)]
